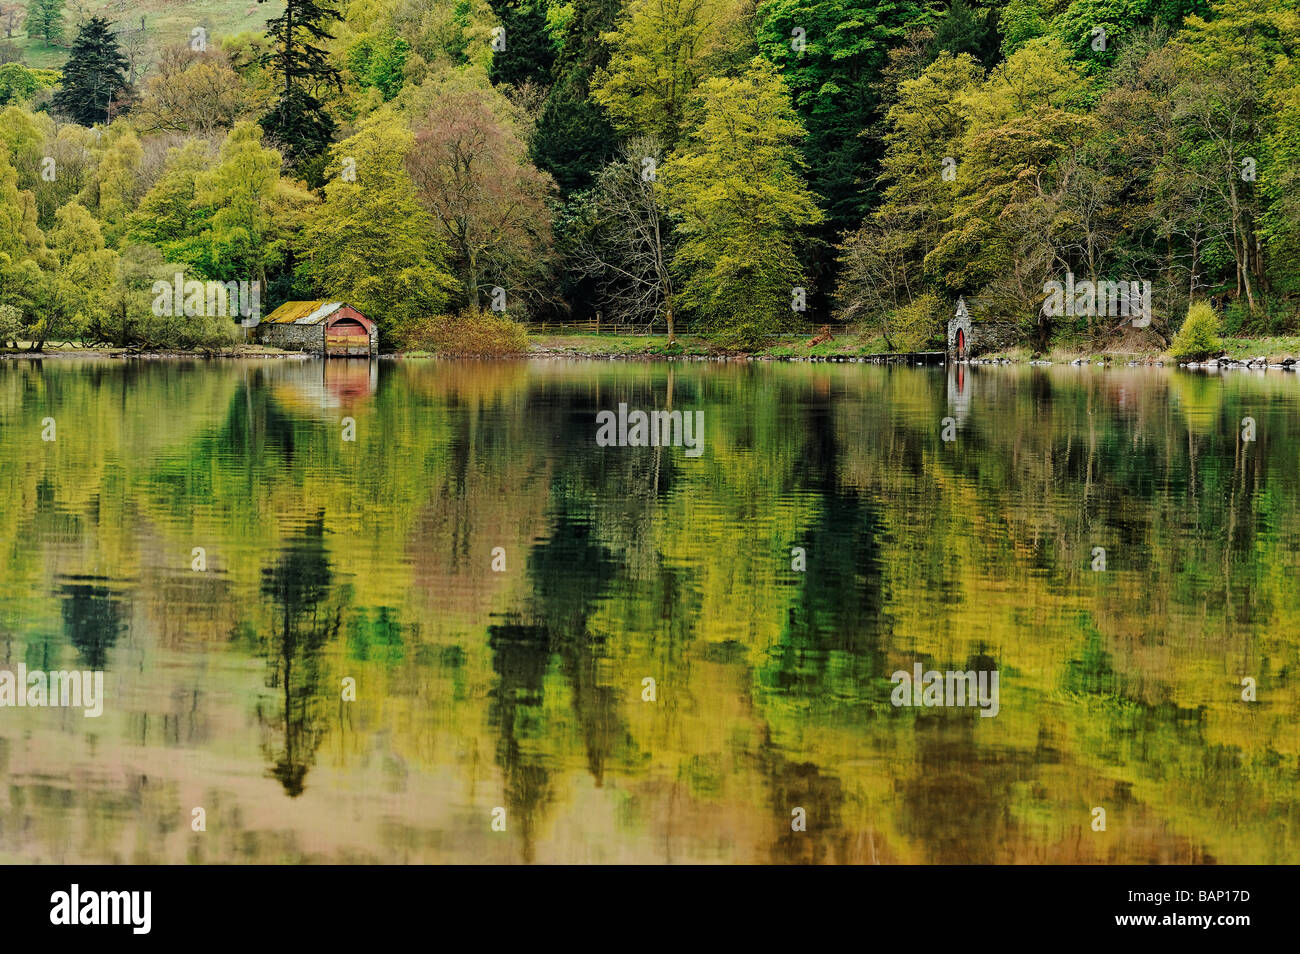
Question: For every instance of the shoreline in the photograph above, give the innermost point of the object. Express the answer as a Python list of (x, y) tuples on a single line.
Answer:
[(1274, 353)]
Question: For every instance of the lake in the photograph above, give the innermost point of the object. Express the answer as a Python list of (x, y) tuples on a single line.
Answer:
[(413, 612)]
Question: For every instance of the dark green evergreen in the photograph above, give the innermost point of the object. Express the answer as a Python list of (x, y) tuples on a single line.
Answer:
[(94, 86), (298, 122), (529, 53)]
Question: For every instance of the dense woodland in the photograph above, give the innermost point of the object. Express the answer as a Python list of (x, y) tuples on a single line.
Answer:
[(728, 167)]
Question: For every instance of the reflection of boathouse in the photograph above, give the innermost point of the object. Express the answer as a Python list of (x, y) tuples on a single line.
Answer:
[(307, 386), (329, 328), (959, 392)]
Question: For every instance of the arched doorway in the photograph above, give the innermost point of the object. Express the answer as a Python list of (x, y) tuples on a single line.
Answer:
[(347, 336), (961, 344)]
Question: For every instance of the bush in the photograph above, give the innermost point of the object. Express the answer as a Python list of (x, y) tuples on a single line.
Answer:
[(467, 333), (11, 324), (1199, 336), (149, 332), (912, 327)]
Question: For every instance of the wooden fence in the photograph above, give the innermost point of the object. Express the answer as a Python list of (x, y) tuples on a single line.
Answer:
[(593, 326)]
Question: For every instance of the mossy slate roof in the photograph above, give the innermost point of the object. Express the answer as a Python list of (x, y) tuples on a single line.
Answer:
[(303, 312)]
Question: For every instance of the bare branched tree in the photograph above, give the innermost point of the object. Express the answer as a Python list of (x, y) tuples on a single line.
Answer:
[(625, 241)]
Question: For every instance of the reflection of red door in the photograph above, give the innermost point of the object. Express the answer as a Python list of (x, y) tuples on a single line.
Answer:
[(961, 343)]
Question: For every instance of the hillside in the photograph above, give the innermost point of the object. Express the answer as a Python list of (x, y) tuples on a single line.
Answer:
[(163, 21)]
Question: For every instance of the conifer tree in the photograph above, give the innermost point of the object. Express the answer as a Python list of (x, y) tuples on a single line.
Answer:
[(298, 121), (94, 76)]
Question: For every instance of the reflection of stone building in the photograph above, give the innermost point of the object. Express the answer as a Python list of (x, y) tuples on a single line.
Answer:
[(959, 392), (967, 338)]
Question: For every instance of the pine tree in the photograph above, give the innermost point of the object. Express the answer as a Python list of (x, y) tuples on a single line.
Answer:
[(94, 76), (298, 122)]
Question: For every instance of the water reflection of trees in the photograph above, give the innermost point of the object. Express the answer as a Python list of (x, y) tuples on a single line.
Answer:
[(298, 589)]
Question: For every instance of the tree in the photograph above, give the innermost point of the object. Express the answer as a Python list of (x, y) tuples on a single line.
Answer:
[(169, 217), (574, 137), (13, 15), (1227, 65), (625, 239), (94, 78), (828, 53), (528, 54), (76, 295), (743, 206), (253, 211), (18, 83), (660, 53), (299, 121), (1199, 335), (114, 189), (191, 92), (964, 29), (45, 19), (23, 253), (370, 242), (1004, 238), (883, 261), (472, 171), (378, 61)]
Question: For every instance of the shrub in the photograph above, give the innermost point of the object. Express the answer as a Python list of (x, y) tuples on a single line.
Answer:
[(1199, 336), (11, 324), (466, 333), (913, 326)]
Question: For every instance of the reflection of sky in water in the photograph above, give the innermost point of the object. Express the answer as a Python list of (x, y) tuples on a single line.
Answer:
[(371, 560)]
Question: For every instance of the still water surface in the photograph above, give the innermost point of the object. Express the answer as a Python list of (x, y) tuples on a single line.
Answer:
[(522, 689)]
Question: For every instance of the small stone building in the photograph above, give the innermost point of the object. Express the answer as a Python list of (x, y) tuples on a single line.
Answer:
[(967, 338), (332, 329)]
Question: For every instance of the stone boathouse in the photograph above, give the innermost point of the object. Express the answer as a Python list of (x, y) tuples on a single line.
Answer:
[(332, 329), (967, 339)]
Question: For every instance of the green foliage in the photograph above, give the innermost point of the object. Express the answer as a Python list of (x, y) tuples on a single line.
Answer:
[(1095, 30), (379, 61), (252, 213), (1199, 335), (917, 325), (845, 45), (370, 243), (18, 83), (884, 155), (529, 51), (742, 207), (660, 53), (45, 19), (574, 137), (11, 324)]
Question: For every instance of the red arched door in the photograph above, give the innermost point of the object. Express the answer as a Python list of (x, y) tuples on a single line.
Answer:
[(961, 343)]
